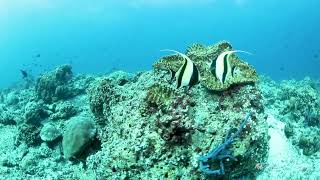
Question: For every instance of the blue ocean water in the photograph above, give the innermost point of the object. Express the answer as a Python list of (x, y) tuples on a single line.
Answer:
[(99, 36), (120, 125)]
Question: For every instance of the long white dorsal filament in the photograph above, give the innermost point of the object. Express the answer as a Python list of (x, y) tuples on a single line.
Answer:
[(181, 54), (234, 51)]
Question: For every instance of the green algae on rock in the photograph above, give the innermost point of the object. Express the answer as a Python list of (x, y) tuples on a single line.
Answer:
[(202, 56)]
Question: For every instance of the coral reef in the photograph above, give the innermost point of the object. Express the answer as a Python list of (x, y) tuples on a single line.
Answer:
[(309, 142), (12, 99), (297, 104), (63, 110), (35, 112), (172, 137), (134, 126), (28, 134), (100, 96), (6, 118), (221, 152), (36, 126), (159, 96), (175, 126), (56, 85), (202, 56), (312, 117)]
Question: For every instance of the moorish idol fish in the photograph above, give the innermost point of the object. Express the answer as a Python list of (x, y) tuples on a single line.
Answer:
[(188, 74), (221, 66)]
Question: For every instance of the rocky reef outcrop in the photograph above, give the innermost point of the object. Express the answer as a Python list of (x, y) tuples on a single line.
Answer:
[(151, 129), (138, 126)]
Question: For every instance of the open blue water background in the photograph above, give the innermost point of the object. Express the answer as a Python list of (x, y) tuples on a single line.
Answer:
[(100, 36)]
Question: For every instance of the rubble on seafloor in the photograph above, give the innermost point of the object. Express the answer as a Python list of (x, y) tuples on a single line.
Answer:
[(133, 126), (297, 104)]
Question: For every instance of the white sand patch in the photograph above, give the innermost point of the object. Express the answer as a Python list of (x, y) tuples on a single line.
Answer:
[(279, 147), (284, 160), (7, 138)]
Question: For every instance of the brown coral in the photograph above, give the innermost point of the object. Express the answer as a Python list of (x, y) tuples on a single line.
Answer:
[(202, 56), (159, 96)]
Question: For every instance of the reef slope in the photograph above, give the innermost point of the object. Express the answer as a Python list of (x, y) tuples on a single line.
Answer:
[(131, 126)]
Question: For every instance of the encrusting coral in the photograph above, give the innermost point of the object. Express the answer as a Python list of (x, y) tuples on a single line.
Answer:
[(202, 56)]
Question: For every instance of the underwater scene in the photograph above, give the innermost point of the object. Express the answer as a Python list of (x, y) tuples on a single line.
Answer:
[(159, 89)]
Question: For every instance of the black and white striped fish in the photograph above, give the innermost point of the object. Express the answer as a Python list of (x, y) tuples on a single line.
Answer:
[(221, 67), (188, 74)]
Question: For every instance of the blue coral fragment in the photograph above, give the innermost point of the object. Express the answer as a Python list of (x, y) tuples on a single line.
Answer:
[(220, 153)]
